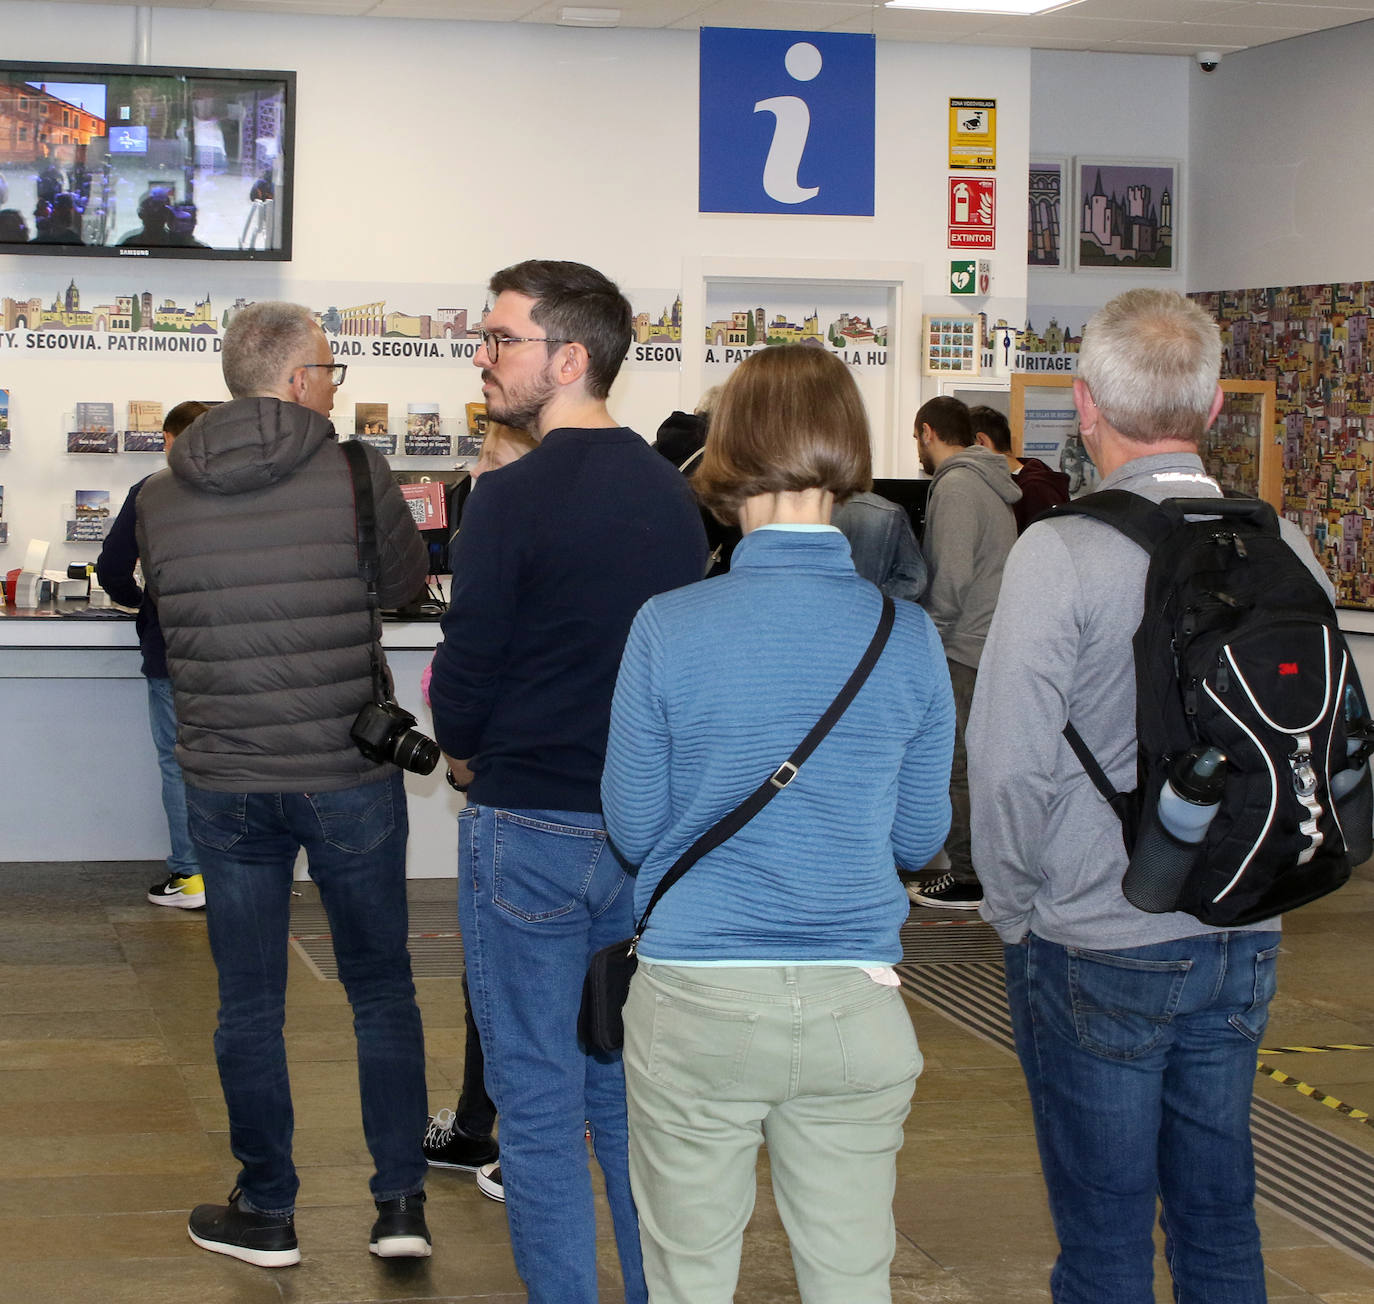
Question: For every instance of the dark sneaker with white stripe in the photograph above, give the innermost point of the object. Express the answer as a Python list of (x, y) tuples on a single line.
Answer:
[(400, 1231), (266, 1240), (181, 891), (446, 1145), (944, 893)]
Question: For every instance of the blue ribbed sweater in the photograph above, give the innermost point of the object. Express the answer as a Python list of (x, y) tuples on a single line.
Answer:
[(718, 684)]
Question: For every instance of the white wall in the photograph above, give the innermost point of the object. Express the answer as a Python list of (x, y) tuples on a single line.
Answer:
[(434, 152), (1111, 106), (1283, 187)]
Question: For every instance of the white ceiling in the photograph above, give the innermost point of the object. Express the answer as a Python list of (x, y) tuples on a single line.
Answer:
[(1115, 26)]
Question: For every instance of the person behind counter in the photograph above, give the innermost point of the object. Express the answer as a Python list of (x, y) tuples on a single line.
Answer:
[(765, 1006), (183, 888)]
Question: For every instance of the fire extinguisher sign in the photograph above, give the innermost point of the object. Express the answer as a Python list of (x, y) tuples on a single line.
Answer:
[(972, 213)]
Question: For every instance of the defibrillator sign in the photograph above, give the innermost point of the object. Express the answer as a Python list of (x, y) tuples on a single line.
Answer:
[(972, 134)]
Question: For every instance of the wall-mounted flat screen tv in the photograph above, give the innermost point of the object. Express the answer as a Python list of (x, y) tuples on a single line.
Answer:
[(98, 160)]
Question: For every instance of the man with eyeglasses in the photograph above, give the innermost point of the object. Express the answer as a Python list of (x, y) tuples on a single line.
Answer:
[(557, 553), (249, 547)]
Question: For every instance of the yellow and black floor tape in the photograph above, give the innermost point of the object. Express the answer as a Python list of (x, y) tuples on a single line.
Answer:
[(1315, 1050), (1315, 1093)]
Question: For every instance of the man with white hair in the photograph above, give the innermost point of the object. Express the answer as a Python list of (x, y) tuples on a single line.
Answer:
[(250, 548), (1137, 1032)]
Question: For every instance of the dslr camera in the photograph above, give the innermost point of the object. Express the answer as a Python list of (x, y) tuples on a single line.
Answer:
[(383, 732)]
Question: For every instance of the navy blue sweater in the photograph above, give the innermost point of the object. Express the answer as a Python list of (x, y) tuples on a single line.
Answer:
[(114, 568), (557, 553)]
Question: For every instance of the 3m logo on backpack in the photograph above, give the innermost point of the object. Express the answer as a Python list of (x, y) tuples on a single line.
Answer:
[(1237, 656)]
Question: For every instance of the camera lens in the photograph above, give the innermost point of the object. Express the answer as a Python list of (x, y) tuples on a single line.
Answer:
[(412, 751)]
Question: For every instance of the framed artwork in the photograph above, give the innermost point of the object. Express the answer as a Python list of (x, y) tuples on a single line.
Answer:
[(951, 345), (1126, 215), (1044, 231), (1044, 424), (1241, 450)]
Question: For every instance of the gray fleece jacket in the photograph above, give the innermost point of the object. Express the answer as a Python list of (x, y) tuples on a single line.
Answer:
[(249, 548), (1047, 846), (969, 532)]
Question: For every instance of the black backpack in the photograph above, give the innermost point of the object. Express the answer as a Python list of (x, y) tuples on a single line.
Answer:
[(1238, 648)]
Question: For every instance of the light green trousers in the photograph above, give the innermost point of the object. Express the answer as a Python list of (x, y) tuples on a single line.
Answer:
[(819, 1062)]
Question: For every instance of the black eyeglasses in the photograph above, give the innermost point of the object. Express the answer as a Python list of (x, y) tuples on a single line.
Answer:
[(337, 370), (493, 342)]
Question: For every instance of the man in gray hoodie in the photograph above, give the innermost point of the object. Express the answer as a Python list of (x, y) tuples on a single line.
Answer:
[(969, 531), (1137, 1032)]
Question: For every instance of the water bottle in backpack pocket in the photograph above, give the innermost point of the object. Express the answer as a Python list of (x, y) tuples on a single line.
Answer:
[(1173, 834)]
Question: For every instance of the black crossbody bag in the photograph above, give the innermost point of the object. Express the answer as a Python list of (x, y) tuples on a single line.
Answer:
[(600, 1022)]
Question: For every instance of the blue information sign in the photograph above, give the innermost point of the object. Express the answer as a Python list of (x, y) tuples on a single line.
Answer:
[(787, 122)]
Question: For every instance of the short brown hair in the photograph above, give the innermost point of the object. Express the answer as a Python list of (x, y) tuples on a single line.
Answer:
[(790, 418), (574, 302), (948, 418), (182, 415)]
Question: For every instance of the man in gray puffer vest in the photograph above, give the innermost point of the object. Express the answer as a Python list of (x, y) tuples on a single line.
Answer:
[(249, 548)]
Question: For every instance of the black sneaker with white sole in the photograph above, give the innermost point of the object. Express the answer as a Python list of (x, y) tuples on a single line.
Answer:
[(489, 1182), (266, 1240), (446, 1145), (944, 893), (181, 891), (400, 1231)]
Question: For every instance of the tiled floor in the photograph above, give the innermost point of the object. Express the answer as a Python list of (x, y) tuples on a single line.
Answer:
[(112, 1125)]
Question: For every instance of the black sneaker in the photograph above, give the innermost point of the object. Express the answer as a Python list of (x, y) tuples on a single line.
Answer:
[(944, 893), (182, 891), (489, 1182), (400, 1231), (267, 1240), (446, 1145)]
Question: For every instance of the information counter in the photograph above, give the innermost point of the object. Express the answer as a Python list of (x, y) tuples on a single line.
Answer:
[(80, 777), (80, 774)]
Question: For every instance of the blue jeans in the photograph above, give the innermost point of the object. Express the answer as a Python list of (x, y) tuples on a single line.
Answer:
[(355, 840), (162, 719), (1141, 1065), (538, 892)]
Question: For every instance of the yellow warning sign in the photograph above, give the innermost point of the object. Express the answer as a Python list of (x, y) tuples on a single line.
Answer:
[(972, 133)]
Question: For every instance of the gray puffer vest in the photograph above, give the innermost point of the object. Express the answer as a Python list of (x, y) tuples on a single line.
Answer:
[(249, 547)]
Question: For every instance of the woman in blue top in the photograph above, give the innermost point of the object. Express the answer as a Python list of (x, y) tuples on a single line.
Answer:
[(765, 1006)]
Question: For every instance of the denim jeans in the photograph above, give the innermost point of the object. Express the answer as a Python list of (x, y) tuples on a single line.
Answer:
[(355, 841), (963, 679), (1141, 1065), (538, 892), (162, 719), (476, 1114)]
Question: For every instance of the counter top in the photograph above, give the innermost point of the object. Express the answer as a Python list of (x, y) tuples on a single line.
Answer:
[(66, 625)]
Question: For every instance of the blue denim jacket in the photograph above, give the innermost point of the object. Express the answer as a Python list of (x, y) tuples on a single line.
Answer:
[(883, 545)]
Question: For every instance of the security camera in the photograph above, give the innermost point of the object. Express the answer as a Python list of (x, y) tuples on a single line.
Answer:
[(1207, 60)]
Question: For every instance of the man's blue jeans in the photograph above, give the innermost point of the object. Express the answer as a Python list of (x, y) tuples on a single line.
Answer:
[(1141, 1065), (538, 892), (162, 720), (355, 840)]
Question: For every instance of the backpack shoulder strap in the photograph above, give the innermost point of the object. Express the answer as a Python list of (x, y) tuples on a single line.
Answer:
[(1140, 520)]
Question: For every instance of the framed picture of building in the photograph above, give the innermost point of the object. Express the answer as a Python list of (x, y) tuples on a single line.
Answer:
[(1126, 215), (951, 345), (1049, 188), (1241, 451)]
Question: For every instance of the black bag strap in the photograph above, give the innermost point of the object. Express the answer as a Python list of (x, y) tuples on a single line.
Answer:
[(369, 560), (731, 824)]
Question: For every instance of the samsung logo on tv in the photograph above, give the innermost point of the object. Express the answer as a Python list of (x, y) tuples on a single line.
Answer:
[(133, 253)]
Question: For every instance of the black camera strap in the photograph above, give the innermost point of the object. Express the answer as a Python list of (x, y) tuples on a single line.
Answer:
[(369, 560)]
